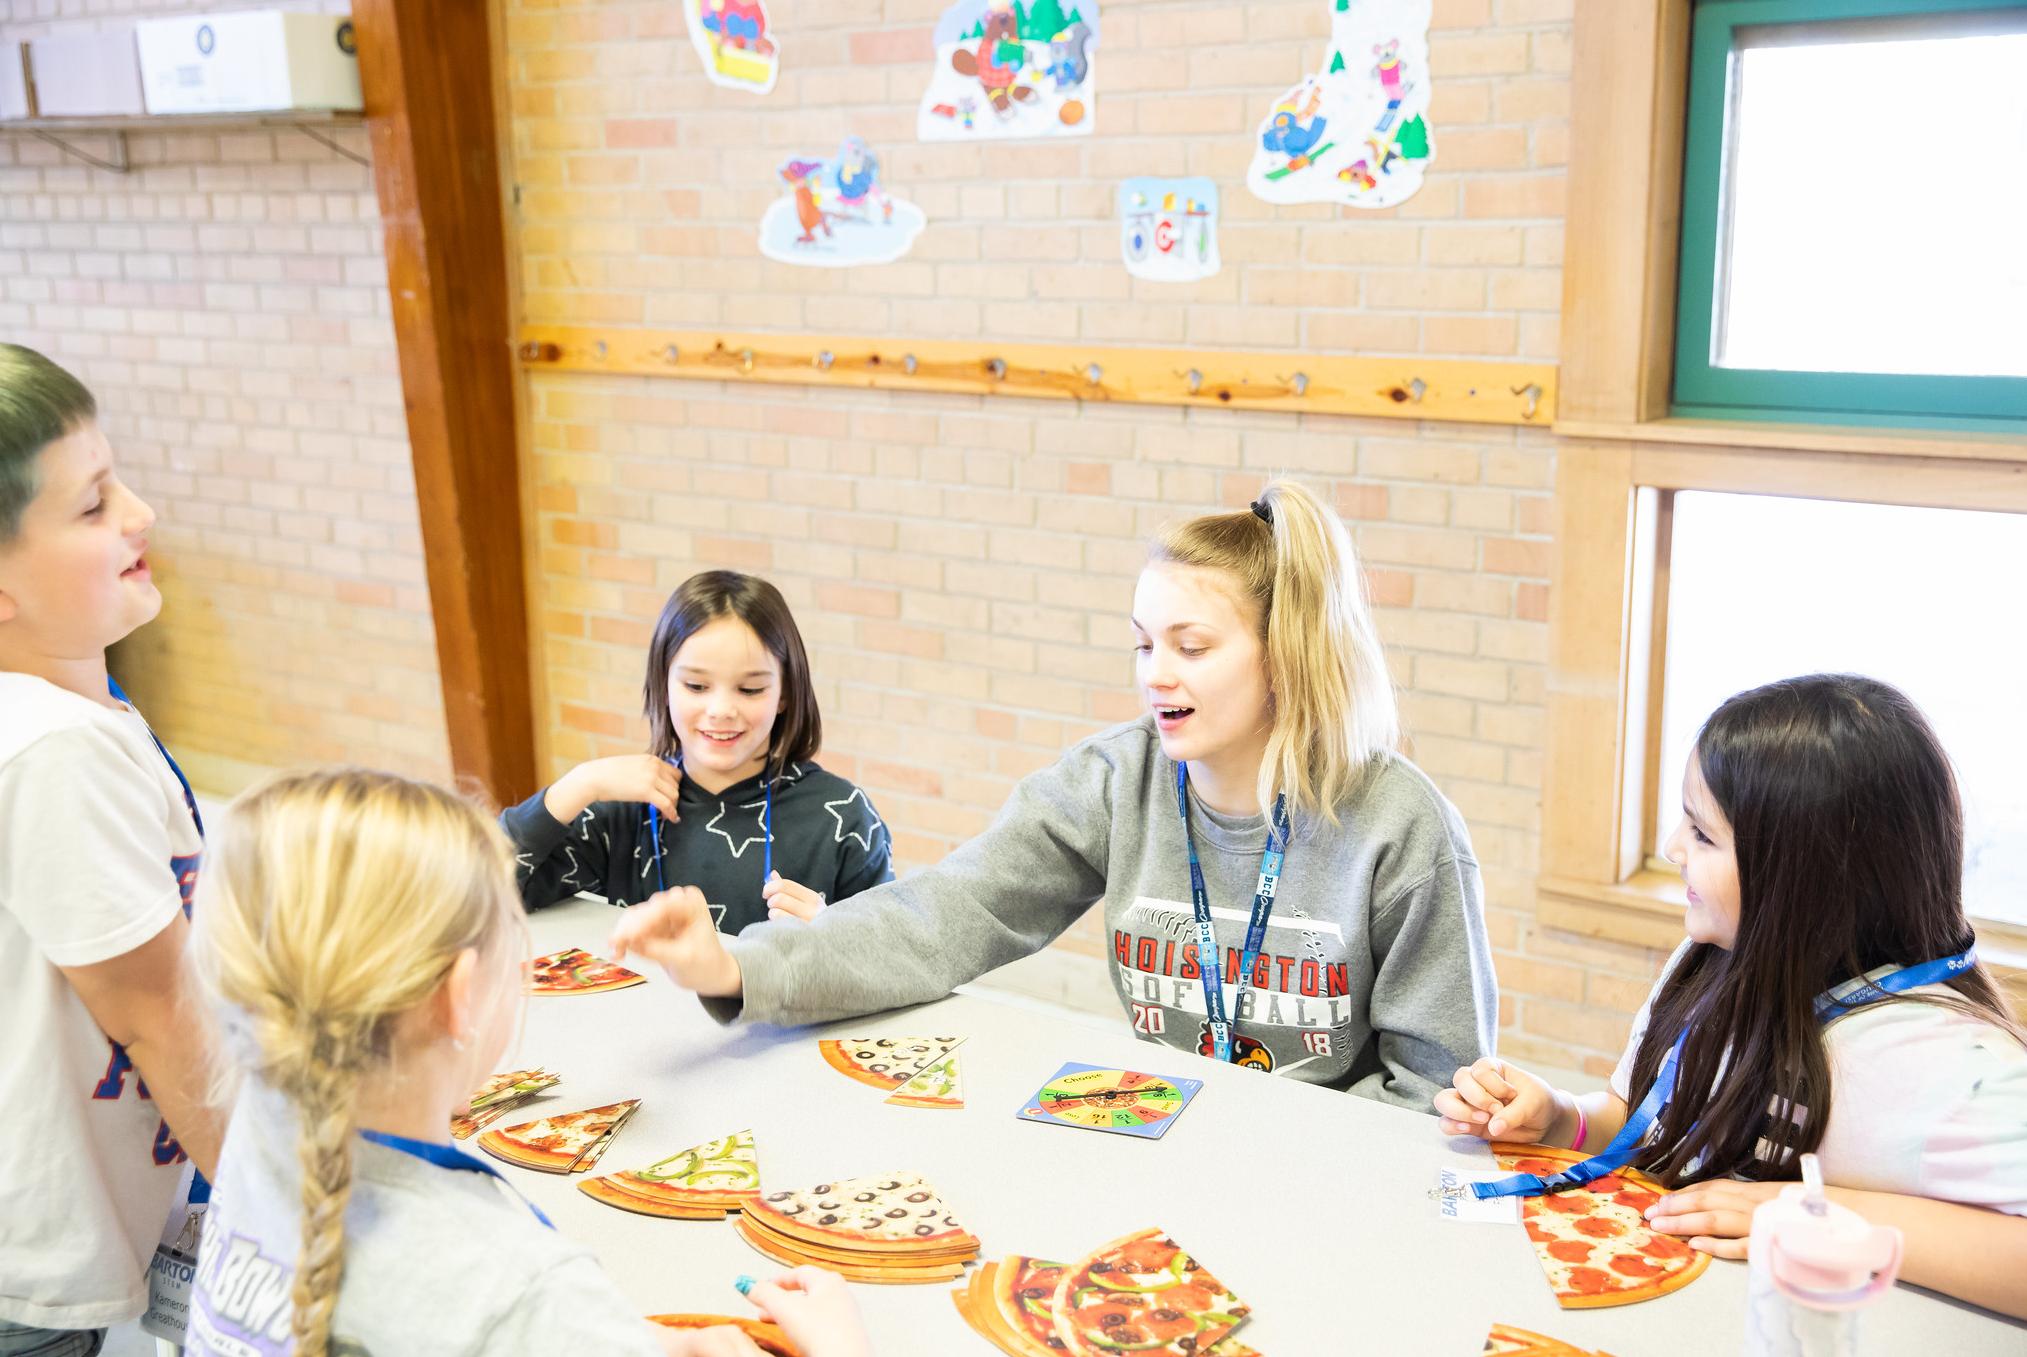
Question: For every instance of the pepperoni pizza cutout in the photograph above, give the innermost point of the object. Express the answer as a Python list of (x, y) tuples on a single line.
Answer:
[(1593, 1241)]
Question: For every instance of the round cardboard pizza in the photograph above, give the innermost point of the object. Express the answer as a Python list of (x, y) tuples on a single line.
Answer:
[(1594, 1242)]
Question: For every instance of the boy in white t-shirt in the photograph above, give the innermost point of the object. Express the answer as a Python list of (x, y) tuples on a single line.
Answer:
[(101, 1093)]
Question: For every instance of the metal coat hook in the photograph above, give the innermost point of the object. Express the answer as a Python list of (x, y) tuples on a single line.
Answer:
[(824, 360), (598, 350), (997, 367), (746, 360), (908, 364), (1094, 374), (1533, 393), (1299, 383), (1418, 389), (671, 352), (1194, 380)]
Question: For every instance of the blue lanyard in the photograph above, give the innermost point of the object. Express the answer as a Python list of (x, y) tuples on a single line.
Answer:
[(1210, 967), (1852, 994), (766, 829), (449, 1157), (189, 797)]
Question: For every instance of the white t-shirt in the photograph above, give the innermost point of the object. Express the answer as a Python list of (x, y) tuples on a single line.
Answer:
[(1925, 1102), (99, 849)]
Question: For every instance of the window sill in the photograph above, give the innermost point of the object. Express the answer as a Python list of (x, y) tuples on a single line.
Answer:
[(1645, 910), (1718, 433)]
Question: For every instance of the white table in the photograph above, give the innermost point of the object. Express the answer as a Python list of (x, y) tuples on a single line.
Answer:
[(1320, 1217)]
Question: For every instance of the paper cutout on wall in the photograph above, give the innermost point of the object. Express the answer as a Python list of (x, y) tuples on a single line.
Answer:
[(837, 213), (735, 43), (1008, 69), (1168, 229), (1357, 132)]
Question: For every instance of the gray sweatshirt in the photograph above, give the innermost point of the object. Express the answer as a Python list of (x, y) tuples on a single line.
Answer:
[(1375, 974)]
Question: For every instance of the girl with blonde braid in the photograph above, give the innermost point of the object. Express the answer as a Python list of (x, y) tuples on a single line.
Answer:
[(362, 936)]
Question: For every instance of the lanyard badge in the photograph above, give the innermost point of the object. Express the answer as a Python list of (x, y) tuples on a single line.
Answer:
[(1210, 971), (1850, 995), (450, 1157)]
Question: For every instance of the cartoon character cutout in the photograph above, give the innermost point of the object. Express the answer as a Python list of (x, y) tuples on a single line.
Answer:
[(1011, 69), (837, 212), (733, 40)]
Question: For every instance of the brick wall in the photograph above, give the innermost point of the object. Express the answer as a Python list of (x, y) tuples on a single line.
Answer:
[(226, 301), (961, 567)]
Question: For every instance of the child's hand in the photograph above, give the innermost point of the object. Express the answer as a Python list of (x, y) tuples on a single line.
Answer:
[(790, 900), (722, 1341), (815, 1310), (1717, 1215), (1498, 1101), (627, 777), (674, 930)]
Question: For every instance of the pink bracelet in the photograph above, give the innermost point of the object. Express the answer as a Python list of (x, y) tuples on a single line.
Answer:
[(1583, 1126)]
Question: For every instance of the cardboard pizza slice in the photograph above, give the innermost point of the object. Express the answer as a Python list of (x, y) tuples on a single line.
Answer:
[(1146, 1293), (773, 1246), (706, 1181), (937, 1085), (574, 971), (1505, 1340), (1594, 1242), (559, 1143), (884, 1062), (499, 1095), (767, 1337), (853, 1255), (895, 1213)]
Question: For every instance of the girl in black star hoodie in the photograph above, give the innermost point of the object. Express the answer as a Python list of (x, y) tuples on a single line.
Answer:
[(728, 798)]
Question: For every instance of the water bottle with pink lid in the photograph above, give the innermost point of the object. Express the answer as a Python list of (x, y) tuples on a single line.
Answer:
[(1815, 1267)]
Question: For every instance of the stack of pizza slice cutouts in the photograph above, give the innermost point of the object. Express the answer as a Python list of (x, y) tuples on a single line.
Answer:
[(914, 1071), (889, 1228), (1594, 1241), (767, 1337), (568, 1142), (705, 1182), (575, 971), (498, 1096), (1507, 1341), (1141, 1294)]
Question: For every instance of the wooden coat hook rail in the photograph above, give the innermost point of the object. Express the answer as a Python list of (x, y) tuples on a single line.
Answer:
[(1403, 388)]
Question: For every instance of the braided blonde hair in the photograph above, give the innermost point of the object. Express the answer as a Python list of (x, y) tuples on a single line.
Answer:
[(336, 901), (1334, 706)]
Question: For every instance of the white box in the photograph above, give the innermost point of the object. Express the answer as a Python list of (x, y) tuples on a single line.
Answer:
[(14, 86), (251, 61), (89, 73)]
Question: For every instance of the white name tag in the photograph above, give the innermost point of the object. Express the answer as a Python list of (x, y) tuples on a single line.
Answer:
[(1454, 1199)]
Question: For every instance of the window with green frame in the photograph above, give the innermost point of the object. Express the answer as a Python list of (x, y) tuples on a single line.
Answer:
[(1854, 214)]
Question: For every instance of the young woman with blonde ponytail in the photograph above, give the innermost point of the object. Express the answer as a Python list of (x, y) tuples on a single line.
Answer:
[(1258, 805), (363, 939)]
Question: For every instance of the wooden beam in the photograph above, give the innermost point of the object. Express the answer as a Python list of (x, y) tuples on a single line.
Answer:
[(1629, 83), (1475, 392), (428, 81)]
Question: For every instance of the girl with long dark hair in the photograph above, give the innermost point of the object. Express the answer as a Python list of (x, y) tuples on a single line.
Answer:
[(1828, 1000)]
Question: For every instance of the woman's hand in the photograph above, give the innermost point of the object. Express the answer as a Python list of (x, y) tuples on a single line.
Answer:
[(815, 1310), (626, 777), (789, 899), (1495, 1100), (1717, 1215), (674, 929)]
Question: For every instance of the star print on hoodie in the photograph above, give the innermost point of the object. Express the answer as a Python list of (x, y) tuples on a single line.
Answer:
[(827, 836)]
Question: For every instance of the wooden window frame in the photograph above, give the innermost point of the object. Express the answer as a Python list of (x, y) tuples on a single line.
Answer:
[(1703, 387), (1623, 452)]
